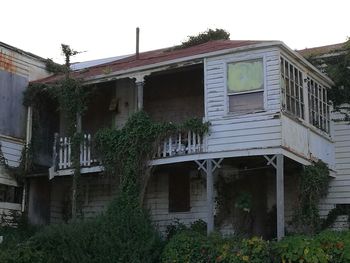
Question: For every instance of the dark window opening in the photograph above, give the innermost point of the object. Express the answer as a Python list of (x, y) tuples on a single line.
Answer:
[(179, 192), (10, 194)]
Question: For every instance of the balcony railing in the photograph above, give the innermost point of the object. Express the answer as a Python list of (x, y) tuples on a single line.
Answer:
[(182, 143), (62, 153)]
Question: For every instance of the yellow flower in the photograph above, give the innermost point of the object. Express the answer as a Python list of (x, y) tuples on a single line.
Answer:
[(245, 258)]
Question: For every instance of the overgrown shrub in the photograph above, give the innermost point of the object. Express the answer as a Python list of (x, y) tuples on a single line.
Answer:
[(328, 246), (299, 249), (123, 234), (191, 246)]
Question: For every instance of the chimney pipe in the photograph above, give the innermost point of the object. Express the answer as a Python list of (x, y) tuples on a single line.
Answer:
[(137, 42)]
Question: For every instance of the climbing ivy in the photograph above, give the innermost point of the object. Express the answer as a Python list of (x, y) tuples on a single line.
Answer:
[(313, 185), (126, 152), (71, 98), (337, 67)]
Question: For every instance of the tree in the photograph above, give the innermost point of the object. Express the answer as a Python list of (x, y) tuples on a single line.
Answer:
[(203, 37)]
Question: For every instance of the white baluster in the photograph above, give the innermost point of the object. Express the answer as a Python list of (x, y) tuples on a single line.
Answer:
[(81, 153), (69, 162), (179, 144), (199, 143), (89, 150), (194, 141), (60, 154), (170, 147), (164, 148), (189, 142), (65, 152)]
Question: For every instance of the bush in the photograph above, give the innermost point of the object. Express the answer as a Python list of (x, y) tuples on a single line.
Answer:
[(336, 245), (186, 246), (191, 246), (299, 249), (123, 234)]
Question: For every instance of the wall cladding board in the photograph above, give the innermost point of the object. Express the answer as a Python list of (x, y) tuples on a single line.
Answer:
[(157, 201), (339, 188), (12, 112), (231, 131)]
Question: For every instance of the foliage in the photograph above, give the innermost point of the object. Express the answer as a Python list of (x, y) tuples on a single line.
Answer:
[(328, 246), (125, 152), (334, 213), (338, 69), (233, 204), (244, 201), (53, 67), (186, 246), (176, 227), (191, 246), (203, 37), (299, 249), (123, 234), (313, 185)]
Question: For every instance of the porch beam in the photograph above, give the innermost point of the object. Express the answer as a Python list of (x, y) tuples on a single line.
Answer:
[(280, 196), (210, 196)]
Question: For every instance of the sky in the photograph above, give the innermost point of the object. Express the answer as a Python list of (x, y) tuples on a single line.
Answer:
[(106, 28)]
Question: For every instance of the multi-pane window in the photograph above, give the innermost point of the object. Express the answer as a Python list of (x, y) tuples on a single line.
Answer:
[(292, 88), (318, 104), (245, 85)]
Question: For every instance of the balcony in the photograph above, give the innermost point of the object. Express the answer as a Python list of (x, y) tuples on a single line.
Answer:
[(180, 144)]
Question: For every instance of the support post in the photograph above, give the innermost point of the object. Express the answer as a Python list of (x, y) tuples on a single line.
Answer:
[(280, 196), (210, 194), (139, 87)]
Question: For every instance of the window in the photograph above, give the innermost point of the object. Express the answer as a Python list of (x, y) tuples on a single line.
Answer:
[(245, 86), (10, 194), (292, 89), (179, 192), (318, 104)]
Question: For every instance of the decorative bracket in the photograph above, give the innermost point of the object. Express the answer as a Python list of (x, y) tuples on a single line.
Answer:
[(203, 164), (271, 160)]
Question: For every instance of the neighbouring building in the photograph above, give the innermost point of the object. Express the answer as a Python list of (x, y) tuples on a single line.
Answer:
[(17, 69)]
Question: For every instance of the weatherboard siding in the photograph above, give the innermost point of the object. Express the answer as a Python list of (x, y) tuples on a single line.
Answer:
[(242, 131), (339, 187), (157, 202), (12, 150)]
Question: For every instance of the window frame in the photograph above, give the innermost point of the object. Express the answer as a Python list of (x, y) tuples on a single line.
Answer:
[(299, 100), (263, 90), (317, 96)]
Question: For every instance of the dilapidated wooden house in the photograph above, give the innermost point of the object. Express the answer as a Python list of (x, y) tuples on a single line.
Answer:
[(269, 114), (17, 69)]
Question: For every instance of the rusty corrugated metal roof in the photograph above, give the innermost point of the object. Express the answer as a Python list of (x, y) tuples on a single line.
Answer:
[(154, 57)]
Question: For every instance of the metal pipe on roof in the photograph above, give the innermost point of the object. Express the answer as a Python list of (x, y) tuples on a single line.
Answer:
[(137, 42)]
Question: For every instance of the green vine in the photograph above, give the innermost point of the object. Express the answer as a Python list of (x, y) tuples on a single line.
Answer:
[(313, 185), (71, 98), (126, 152)]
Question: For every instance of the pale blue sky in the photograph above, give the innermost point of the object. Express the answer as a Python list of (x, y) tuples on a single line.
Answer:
[(106, 28)]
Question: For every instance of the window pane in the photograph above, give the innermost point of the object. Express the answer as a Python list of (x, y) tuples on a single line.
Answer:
[(245, 76), (247, 102)]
